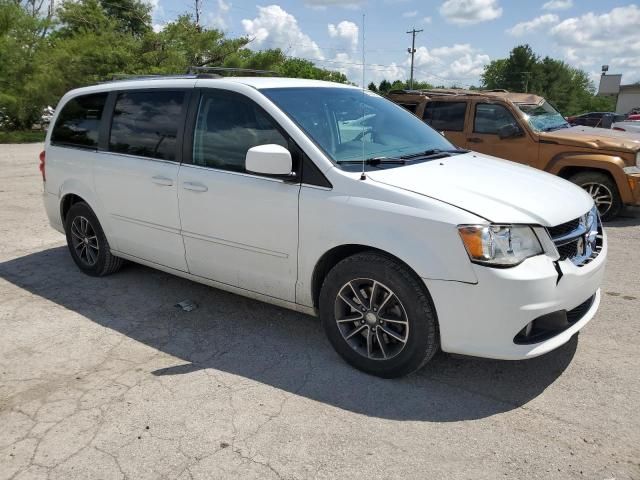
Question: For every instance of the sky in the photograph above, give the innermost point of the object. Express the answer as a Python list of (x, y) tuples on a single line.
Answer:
[(459, 37)]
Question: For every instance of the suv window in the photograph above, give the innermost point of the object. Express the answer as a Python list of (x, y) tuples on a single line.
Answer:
[(491, 117), (145, 123), (446, 115), (228, 125), (79, 121)]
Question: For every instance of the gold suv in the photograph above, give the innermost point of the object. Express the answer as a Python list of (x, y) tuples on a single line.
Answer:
[(527, 129)]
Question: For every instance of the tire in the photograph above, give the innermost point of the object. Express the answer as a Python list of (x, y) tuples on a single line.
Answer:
[(363, 338), (87, 243), (603, 190)]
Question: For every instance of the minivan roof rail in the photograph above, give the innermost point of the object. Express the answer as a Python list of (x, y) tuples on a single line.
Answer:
[(208, 70)]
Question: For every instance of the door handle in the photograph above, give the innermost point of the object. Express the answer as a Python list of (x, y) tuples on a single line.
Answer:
[(474, 140), (195, 187), (159, 180)]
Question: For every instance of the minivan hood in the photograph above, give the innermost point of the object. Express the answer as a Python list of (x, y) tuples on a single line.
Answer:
[(495, 189), (589, 137)]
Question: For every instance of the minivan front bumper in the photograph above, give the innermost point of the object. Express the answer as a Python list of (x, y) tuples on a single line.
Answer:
[(485, 319)]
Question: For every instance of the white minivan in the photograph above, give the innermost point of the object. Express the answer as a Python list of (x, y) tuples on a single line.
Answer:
[(328, 200)]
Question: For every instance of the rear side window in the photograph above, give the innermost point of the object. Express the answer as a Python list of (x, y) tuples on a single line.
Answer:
[(228, 125), (409, 106), (78, 123), (491, 117), (446, 115), (145, 123)]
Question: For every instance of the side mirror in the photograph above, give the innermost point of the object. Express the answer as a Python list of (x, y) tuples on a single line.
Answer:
[(269, 159), (509, 131)]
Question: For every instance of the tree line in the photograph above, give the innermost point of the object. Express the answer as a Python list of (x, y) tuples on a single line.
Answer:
[(569, 89), (43, 54)]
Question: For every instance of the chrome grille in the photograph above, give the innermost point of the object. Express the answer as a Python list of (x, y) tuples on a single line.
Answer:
[(579, 240)]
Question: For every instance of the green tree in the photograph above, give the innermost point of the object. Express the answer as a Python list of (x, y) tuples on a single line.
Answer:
[(372, 87)]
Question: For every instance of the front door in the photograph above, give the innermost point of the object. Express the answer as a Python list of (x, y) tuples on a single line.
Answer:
[(448, 117), (239, 228), (484, 136)]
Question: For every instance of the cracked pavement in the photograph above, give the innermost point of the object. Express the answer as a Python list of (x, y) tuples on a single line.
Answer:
[(103, 378)]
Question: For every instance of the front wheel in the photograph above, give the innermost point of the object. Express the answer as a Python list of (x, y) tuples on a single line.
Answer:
[(603, 190), (378, 316)]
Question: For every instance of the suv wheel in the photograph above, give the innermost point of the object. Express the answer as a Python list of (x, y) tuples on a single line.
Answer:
[(603, 190), (87, 243), (378, 316)]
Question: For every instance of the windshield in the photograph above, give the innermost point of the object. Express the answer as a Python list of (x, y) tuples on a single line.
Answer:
[(543, 117), (341, 121)]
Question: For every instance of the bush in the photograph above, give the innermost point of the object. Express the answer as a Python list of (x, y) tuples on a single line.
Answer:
[(22, 136)]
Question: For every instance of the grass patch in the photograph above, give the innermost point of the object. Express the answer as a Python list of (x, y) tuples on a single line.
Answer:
[(22, 136)]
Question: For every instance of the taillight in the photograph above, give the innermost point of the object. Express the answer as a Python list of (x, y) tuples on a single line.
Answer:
[(42, 158)]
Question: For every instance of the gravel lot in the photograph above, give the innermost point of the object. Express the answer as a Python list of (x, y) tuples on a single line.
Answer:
[(105, 378)]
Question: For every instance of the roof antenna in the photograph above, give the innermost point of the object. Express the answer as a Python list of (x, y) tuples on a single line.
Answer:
[(363, 176)]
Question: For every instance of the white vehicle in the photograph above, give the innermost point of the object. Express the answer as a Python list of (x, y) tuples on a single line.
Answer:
[(247, 185), (632, 126)]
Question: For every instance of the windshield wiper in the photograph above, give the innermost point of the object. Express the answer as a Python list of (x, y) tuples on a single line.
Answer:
[(433, 152), (376, 161)]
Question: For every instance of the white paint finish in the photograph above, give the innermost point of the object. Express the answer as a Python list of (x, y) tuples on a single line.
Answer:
[(505, 300), (241, 231), (140, 199), (498, 190), (631, 126)]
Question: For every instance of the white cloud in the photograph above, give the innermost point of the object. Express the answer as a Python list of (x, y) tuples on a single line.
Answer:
[(158, 27), (411, 14), (558, 5), (469, 12), (610, 38), (427, 20), (323, 4), (460, 64), (346, 32), (276, 28), (218, 19), (537, 23)]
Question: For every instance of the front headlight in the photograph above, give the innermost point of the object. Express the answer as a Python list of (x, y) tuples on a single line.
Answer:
[(499, 245)]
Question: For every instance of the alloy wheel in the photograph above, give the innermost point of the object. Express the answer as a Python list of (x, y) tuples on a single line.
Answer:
[(371, 319), (84, 241), (602, 196)]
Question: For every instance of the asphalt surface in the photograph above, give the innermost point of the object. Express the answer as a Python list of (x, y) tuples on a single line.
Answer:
[(106, 378)]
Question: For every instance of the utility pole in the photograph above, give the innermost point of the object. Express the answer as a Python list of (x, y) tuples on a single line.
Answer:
[(412, 51), (198, 13)]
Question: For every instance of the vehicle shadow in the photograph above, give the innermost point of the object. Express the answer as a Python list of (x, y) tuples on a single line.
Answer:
[(629, 217), (276, 347)]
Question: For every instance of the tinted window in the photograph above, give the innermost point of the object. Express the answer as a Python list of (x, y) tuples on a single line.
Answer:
[(446, 115), (491, 117), (79, 121), (411, 107), (347, 123), (146, 123), (228, 125)]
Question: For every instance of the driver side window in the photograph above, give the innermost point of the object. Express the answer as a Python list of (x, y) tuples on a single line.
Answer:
[(490, 118), (227, 126)]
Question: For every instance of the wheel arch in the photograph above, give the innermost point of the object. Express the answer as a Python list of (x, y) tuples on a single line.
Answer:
[(338, 253), (567, 165)]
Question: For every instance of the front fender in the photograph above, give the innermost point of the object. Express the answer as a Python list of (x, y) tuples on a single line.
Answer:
[(611, 164)]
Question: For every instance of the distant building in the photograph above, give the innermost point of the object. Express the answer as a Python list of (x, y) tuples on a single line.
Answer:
[(628, 96)]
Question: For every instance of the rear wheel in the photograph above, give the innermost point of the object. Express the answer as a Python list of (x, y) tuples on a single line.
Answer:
[(603, 190), (87, 243), (378, 316)]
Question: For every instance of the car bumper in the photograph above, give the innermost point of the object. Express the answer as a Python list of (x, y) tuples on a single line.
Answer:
[(52, 208), (483, 319)]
